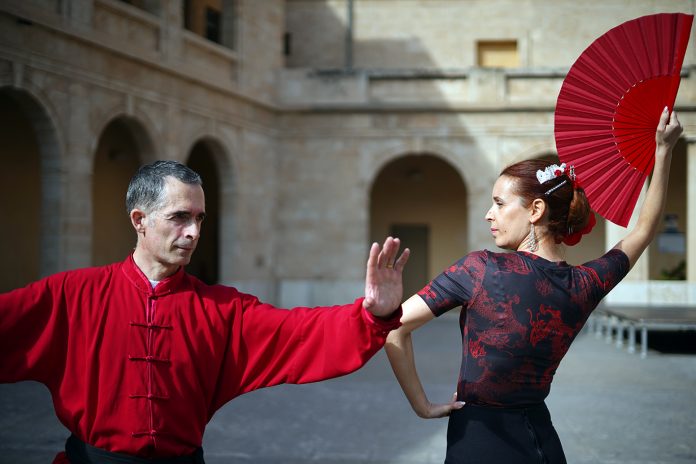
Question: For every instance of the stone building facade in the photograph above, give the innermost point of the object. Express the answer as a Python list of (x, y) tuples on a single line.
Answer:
[(318, 126)]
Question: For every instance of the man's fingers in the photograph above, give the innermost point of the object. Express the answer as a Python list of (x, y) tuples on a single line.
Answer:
[(382, 260), (387, 257), (373, 257), (401, 262)]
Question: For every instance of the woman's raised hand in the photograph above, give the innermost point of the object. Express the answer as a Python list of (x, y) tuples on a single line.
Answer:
[(668, 130)]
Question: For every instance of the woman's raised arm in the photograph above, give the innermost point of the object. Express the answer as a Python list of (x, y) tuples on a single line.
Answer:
[(637, 240)]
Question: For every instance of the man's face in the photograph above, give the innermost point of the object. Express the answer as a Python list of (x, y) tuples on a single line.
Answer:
[(170, 234)]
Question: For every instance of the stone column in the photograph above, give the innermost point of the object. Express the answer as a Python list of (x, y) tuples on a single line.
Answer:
[(171, 25), (51, 199), (77, 209), (51, 177), (79, 13), (230, 25), (691, 210), (633, 288)]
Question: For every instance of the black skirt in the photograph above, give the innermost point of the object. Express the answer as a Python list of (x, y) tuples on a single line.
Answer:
[(490, 435)]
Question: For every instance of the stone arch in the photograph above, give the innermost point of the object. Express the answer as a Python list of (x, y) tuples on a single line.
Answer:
[(422, 198), (473, 166), (381, 159), (122, 146), (208, 157), (139, 125), (32, 179)]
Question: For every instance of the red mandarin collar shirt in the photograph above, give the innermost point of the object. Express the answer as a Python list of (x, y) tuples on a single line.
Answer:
[(141, 371)]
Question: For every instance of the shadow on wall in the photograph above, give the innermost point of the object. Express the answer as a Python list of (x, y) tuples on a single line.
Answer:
[(205, 262), (320, 35), (122, 147), (20, 188), (31, 182), (399, 152)]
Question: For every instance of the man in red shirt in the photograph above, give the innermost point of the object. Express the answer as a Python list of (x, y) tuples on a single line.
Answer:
[(139, 355)]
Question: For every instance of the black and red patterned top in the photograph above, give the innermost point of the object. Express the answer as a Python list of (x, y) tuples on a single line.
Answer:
[(519, 315)]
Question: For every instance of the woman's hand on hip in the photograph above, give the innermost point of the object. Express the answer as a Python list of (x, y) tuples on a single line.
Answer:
[(437, 410)]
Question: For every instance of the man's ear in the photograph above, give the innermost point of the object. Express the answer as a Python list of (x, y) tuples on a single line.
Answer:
[(138, 218), (537, 210)]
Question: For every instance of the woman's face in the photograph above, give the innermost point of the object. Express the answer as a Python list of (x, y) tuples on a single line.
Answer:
[(508, 217)]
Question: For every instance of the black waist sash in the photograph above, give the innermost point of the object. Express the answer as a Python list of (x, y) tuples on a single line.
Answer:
[(79, 452)]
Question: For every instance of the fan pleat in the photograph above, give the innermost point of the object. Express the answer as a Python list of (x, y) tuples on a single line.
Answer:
[(584, 96), (609, 106)]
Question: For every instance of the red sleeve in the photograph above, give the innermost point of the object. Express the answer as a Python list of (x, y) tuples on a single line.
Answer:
[(302, 345), (33, 332)]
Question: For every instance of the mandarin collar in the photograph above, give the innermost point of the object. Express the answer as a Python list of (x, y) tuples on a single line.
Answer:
[(142, 283)]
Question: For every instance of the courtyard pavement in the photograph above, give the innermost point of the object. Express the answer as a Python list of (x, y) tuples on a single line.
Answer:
[(609, 407)]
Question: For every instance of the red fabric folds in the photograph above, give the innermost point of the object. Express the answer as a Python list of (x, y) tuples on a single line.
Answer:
[(141, 371)]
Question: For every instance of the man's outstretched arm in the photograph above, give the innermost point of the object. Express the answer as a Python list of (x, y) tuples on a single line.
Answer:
[(270, 346)]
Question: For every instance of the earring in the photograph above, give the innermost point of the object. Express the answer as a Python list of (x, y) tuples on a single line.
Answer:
[(533, 244)]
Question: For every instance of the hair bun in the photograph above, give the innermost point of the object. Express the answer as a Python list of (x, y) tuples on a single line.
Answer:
[(581, 219)]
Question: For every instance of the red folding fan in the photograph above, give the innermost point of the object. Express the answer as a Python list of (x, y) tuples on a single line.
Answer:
[(609, 106)]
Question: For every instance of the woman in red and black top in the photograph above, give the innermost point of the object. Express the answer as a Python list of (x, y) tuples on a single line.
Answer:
[(522, 310)]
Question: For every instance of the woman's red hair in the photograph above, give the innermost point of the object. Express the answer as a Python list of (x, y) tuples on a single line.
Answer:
[(567, 206)]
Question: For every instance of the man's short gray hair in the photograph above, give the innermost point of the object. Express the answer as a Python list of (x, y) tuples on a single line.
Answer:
[(146, 188)]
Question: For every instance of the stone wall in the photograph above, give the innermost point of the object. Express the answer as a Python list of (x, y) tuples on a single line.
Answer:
[(442, 34), (299, 140), (118, 61)]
